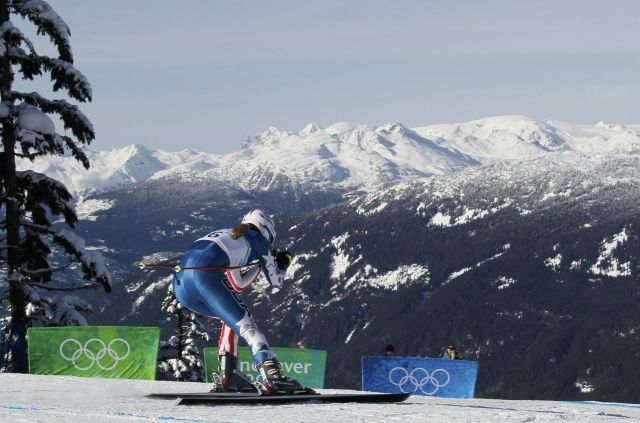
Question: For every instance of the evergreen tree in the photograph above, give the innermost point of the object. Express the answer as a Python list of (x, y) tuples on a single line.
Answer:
[(33, 250), (180, 356), (4, 331)]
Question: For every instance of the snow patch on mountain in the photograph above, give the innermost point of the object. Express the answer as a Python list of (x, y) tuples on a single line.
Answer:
[(87, 209), (607, 264), (554, 262), (346, 341), (298, 262), (576, 264), (504, 282), (161, 284), (440, 219), (584, 386), (403, 275), (468, 215), (340, 264), (377, 209), (340, 261), (338, 241), (464, 270)]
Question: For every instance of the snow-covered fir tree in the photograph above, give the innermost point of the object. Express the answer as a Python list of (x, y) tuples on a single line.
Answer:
[(180, 357), (33, 250), (4, 331)]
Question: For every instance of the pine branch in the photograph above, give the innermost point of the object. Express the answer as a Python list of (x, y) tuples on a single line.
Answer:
[(43, 144), (71, 116), (13, 36), (48, 23), (38, 191), (76, 152), (92, 265), (30, 156), (41, 228), (63, 73)]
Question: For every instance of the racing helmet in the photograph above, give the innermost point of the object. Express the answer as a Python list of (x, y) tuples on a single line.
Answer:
[(261, 220)]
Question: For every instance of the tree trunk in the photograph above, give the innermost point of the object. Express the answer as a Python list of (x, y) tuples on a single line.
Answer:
[(18, 330)]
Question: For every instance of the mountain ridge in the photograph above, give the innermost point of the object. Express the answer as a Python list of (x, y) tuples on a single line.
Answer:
[(353, 157)]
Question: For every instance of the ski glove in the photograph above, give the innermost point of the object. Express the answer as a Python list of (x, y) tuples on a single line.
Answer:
[(283, 260)]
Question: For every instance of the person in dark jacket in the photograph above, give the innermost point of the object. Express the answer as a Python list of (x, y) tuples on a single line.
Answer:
[(451, 353)]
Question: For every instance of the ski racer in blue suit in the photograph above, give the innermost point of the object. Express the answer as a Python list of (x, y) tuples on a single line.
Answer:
[(245, 251)]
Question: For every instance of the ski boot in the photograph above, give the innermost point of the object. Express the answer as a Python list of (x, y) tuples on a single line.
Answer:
[(275, 383), (229, 379)]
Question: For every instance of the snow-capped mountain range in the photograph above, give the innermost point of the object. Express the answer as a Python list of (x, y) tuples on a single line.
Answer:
[(348, 156)]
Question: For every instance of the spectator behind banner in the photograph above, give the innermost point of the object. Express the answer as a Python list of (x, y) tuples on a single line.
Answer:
[(390, 350), (451, 353)]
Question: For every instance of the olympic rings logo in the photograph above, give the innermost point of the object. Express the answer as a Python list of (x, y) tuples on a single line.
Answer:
[(427, 382), (94, 352)]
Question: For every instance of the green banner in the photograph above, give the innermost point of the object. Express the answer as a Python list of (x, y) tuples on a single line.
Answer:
[(94, 351), (306, 366)]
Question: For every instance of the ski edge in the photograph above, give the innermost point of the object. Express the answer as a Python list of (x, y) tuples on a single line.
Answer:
[(275, 399), (174, 395)]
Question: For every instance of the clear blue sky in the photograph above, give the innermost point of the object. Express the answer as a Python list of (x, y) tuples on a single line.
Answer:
[(204, 74)]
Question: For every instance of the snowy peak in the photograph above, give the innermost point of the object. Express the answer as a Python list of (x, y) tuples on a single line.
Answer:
[(109, 169), (535, 133), (520, 137), (135, 162), (353, 156), (310, 129), (504, 137)]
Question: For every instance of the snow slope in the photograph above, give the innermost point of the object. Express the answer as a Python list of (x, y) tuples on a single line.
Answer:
[(344, 155), (71, 399)]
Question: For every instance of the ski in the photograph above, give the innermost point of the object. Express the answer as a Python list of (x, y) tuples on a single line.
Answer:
[(209, 398), (175, 395)]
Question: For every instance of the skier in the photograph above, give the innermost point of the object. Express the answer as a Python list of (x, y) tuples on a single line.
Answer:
[(212, 294)]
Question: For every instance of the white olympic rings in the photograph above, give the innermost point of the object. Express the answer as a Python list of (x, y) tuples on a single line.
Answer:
[(94, 358), (419, 378)]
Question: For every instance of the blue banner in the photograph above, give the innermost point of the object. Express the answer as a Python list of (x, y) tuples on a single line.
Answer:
[(436, 377)]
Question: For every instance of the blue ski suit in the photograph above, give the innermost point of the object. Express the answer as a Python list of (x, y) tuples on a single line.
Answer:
[(213, 293)]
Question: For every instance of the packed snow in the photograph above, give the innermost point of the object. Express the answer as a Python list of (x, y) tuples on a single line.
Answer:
[(72, 399), (32, 119)]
